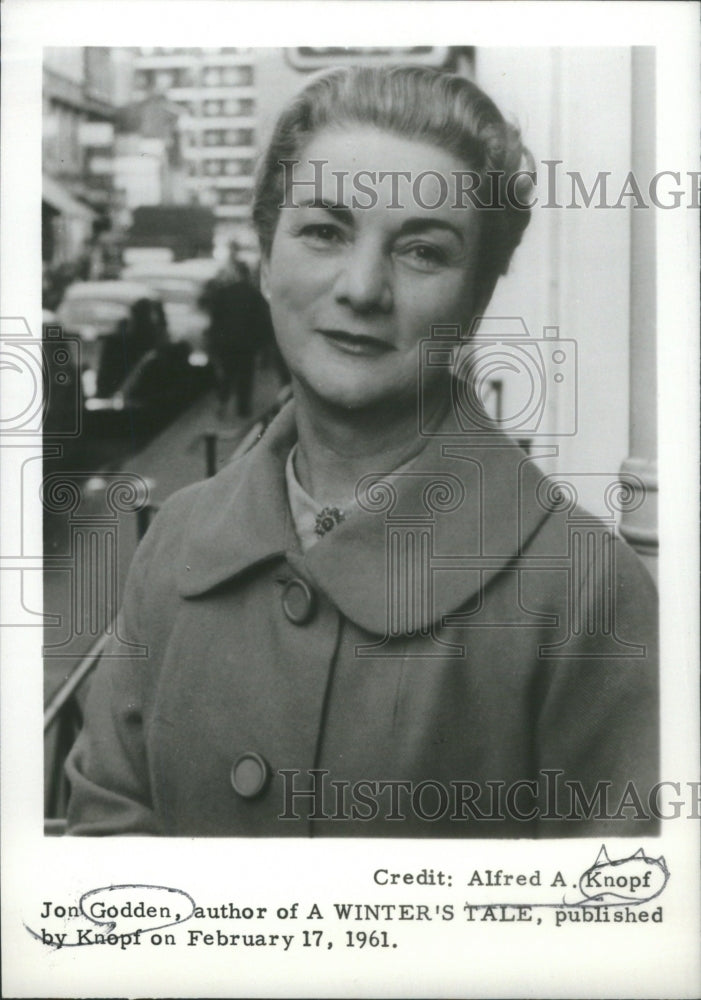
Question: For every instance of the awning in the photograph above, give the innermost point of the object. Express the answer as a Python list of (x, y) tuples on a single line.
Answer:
[(56, 195)]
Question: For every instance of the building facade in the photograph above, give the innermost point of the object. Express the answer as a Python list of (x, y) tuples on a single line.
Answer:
[(78, 117), (215, 90)]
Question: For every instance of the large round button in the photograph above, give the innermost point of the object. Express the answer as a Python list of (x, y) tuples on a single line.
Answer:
[(249, 775), (298, 601)]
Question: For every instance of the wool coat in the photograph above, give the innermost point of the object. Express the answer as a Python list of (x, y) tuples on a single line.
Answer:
[(469, 653)]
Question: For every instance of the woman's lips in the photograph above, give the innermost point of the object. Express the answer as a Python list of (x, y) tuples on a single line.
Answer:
[(356, 343)]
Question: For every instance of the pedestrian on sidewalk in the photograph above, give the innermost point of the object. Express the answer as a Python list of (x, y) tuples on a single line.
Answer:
[(239, 329)]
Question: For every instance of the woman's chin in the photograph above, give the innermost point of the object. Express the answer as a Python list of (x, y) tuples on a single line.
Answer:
[(361, 394)]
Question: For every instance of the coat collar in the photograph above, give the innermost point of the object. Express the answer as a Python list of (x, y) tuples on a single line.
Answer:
[(464, 496)]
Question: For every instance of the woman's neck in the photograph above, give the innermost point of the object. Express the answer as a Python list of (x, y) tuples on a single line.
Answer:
[(337, 447)]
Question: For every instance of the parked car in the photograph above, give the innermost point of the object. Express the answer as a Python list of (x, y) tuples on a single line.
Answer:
[(179, 285), (128, 359), (99, 313), (199, 268)]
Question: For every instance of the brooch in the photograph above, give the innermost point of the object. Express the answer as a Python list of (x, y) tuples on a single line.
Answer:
[(327, 519)]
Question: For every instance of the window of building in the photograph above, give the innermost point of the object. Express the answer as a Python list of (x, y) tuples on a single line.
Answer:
[(238, 106), (238, 137), (211, 77), (164, 79), (185, 77), (237, 76), (239, 168), (234, 196)]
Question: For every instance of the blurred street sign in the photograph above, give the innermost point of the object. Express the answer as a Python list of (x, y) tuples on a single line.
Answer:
[(307, 58)]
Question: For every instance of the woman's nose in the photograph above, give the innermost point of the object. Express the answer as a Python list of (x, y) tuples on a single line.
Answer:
[(365, 280)]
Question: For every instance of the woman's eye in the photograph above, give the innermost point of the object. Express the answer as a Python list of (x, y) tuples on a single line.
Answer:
[(424, 256), (321, 234)]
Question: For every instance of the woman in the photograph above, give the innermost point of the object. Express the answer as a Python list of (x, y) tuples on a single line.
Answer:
[(376, 622)]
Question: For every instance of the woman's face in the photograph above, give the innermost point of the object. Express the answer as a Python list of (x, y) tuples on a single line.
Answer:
[(357, 281)]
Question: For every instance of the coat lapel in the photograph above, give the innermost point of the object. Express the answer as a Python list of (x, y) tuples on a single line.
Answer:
[(423, 543), (241, 516), (458, 515)]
